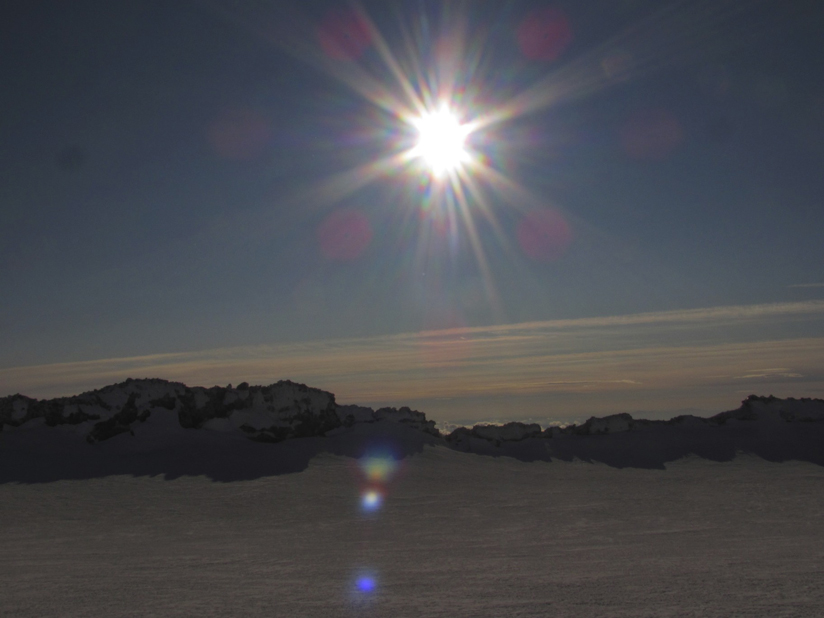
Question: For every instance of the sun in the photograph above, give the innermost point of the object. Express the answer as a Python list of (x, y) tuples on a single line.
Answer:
[(441, 141)]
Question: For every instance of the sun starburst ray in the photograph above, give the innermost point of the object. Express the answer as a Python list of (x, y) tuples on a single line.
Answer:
[(515, 195), (672, 35), (291, 30), (391, 62), (415, 69), (343, 184), (440, 117), (481, 202), (477, 247)]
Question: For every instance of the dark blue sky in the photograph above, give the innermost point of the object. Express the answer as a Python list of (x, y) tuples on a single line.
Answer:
[(161, 163)]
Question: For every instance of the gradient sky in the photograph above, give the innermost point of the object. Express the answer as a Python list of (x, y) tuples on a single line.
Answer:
[(191, 190)]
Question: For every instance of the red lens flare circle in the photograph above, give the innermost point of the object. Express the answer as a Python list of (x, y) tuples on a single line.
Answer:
[(240, 134), (344, 235), (344, 35), (544, 34), (651, 135), (544, 235)]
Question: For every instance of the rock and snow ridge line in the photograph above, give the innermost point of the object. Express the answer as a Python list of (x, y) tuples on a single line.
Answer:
[(286, 409), (752, 408), (273, 413)]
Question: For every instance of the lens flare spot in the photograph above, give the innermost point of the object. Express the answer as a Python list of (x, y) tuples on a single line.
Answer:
[(618, 65), (366, 584), (544, 235), (344, 235), (344, 35), (240, 134), (371, 500), (378, 469), (544, 34), (651, 135), (441, 142)]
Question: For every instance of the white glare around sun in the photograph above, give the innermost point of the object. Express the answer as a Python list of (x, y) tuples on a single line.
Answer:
[(441, 141)]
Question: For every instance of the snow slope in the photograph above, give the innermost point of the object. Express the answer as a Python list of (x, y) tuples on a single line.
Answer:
[(458, 535), (148, 427), (345, 511)]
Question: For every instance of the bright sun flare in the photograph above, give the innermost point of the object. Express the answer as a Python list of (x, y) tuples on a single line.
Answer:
[(441, 141)]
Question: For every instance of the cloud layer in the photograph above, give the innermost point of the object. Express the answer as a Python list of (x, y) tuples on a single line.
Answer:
[(701, 358)]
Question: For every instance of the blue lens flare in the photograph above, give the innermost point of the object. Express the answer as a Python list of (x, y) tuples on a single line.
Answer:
[(366, 584), (371, 500)]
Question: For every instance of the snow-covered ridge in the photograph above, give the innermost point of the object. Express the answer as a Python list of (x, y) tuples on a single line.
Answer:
[(149, 427), (753, 408), (271, 413), (286, 409)]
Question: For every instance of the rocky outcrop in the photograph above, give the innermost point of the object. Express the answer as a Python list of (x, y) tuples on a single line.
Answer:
[(104, 413), (615, 423), (158, 412), (410, 418), (463, 437), (350, 415), (529, 442), (273, 413), (120, 422), (790, 410), (266, 413), (17, 410)]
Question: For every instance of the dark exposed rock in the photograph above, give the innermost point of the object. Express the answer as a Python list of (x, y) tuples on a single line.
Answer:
[(495, 434), (53, 413), (744, 413), (167, 401), (188, 414), (286, 410), (271, 434), (15, 410), (408, 417), (791, 410), (615, 423), (199, 405), (351, 415), (119, 423), (275, 412)]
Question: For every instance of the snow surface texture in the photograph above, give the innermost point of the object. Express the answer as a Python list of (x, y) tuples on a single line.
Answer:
[(389, 518), (458, 535)]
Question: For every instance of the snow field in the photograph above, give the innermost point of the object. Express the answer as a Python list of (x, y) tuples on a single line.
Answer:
[(456, 535)]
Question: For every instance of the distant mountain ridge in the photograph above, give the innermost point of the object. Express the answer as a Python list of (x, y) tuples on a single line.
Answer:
[(752, 408), (273, 413), (211, 425), (287, 409)]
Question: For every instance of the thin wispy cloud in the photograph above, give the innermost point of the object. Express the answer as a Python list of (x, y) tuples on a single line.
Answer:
[(585, 360), (806, 285), (760, 374)]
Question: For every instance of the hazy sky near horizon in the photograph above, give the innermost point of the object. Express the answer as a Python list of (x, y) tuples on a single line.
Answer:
[(211, 190), (698, 361)]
